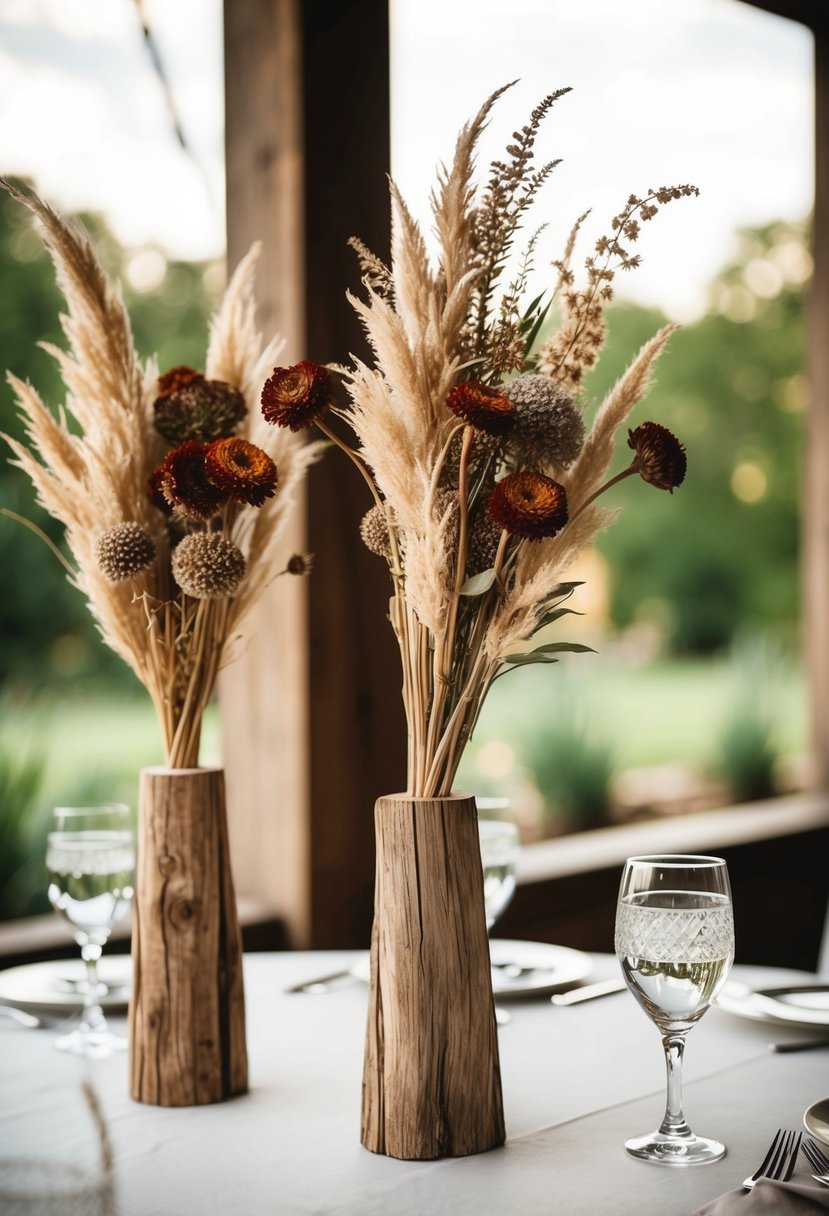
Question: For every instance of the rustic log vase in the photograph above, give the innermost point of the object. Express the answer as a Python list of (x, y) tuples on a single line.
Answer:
[(431, 1075), (187, 1009)]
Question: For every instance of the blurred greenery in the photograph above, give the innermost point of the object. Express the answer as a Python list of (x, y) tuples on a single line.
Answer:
[(749, 733), (571, 758), (721, 554)]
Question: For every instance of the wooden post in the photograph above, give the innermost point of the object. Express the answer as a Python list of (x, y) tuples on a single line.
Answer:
[(187, 1008), (431, 1079), (816, 498), (312, 714)]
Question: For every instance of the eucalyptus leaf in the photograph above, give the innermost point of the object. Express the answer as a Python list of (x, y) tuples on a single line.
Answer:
[(543, 654), (523, 660), (478, 583), (554, 615)]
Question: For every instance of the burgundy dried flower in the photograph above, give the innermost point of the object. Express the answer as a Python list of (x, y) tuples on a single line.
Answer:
[(184, 482), (241, 470), (294, 396), (483, 407), (660, 457), (529, 505)]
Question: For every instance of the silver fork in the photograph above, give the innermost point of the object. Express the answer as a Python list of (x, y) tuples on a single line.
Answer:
[(778, 1162), (818, 1161)]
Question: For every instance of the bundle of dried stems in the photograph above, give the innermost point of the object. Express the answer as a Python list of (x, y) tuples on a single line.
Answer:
[(167, 486), (471, 437)]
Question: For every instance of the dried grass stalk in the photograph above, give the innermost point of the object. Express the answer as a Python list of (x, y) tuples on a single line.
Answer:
[(95, 481)]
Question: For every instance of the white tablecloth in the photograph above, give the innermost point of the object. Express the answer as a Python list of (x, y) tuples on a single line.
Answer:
[(577, 1082)]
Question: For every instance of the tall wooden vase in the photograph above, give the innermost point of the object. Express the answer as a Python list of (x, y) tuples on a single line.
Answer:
[(431, 1075), (187, 1010)]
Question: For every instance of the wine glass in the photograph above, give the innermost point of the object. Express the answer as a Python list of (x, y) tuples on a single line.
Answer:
[(675, 943), (498, 836), (90, 859)]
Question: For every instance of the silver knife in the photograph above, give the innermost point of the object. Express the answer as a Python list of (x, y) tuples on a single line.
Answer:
[(588, 992)]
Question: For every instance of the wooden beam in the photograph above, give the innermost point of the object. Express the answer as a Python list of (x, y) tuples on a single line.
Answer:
[(808, 12), (356, 710), (263, 694), (816, 497), (313, 718)]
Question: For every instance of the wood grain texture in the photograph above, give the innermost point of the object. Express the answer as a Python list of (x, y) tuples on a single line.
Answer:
[(187, 1010), (431, 1079)]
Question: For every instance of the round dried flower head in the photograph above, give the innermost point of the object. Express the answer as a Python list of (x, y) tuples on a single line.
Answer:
[(300, 563), (529, 505), (184, 482), (485, 408), (660, 457), (241, 470), (124, 551), (374, 532), (482, 544), (294, 396), (197, 408), (549, 429), (205, 564)]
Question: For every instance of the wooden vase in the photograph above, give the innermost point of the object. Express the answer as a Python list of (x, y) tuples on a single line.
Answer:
[(187, 1009), (431, 1074)]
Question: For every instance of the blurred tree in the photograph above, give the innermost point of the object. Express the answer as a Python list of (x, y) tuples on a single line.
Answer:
[(722, 553), (46, 635)]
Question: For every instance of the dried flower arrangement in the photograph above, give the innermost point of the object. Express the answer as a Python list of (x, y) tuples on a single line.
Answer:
[(472, 442), (170, 495)]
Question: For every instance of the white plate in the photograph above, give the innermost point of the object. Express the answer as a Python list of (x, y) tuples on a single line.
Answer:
[(57, 987), (816, 1120), (799, 1005), (544, 968)]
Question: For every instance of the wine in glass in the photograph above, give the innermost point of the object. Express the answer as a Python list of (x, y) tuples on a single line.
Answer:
[(90, 859), (498, 836), (675, 943)]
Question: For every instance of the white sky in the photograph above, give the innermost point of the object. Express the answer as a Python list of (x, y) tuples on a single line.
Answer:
[(708, 91)]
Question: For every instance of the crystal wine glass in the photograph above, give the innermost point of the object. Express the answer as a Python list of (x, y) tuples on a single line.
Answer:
[(675, 943), (498, 836), (90, 859)]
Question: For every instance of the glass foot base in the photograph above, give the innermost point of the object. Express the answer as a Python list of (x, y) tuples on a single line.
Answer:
[(94, 1043), (660, 1149)]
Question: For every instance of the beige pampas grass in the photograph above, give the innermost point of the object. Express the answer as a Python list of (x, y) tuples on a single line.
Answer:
[(433, 326), (96, 483)]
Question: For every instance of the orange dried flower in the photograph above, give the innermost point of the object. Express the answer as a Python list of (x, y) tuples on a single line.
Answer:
[(660, 457), (241, 470), (483, 407), (529, 505), (184, 482), (294, 396), (177, 378)]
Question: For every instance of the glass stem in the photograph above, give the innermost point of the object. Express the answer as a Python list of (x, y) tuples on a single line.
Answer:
[(93, 1014), (674, 1123)]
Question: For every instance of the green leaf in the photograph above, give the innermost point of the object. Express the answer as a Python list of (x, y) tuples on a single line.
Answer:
[(533, 334), (478, 583), (542, 654), (554, 615)]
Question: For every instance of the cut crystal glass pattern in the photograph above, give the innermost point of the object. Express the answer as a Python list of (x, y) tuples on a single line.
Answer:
[(668, 935)]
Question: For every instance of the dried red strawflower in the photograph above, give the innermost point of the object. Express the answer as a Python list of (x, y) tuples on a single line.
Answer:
[(241, 470), (294, 396), (177, 378), (483, 407), (155, 492), (529, 505), (660, 457), (184, 482)]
